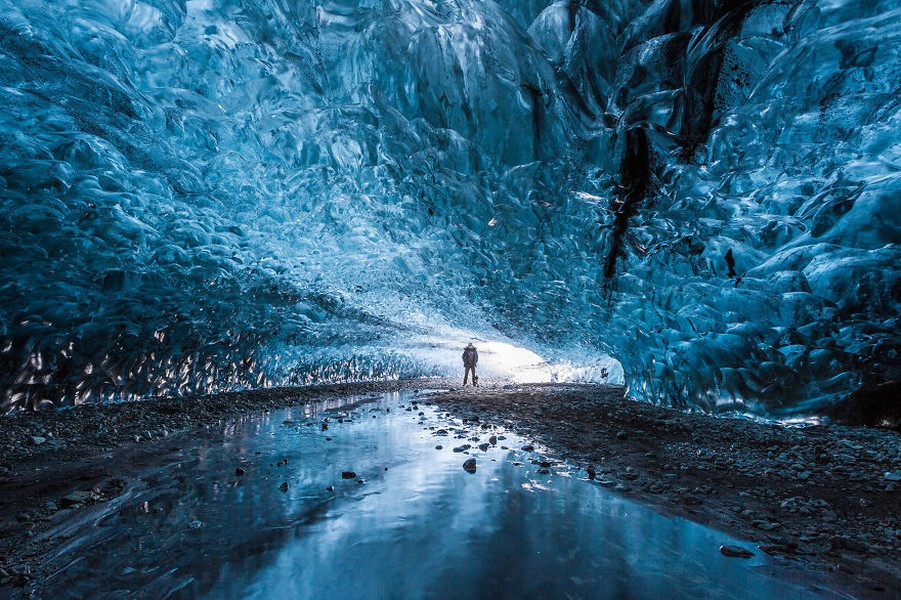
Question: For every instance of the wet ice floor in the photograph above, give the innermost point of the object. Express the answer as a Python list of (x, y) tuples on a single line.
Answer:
[(413, 524)]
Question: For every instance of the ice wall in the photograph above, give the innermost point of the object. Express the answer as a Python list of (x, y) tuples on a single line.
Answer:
[(760, 260), (216, 194)]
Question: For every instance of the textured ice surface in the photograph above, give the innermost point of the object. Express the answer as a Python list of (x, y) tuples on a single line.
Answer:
[(217, 194)]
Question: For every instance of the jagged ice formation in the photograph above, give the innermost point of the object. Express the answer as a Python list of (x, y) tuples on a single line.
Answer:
[(216, 194)]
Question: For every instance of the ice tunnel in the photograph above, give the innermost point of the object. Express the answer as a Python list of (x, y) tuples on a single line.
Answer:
[(699, 198)]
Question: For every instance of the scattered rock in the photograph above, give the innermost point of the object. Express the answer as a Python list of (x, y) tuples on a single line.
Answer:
[(492, 440), (330, 488), (470, 465), (528, 448), (735, 551), (439, 447), (37, 440), (74, 498), (195, 524), (462, 448), (348, 475), (893, 476), (621, 435), (284, 486), (239, 471), (765, 525)]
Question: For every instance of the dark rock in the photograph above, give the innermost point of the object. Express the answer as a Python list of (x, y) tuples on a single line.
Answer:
[(284, 486), (621, 435), (470, 465), (348, 475), (37, 440), (492, 440), (735, 551), (528, 448), (591, 472), (462, 448), (74, 498), (777, 549), (330, 488), (239, 471), (484, 447), (439, 447)]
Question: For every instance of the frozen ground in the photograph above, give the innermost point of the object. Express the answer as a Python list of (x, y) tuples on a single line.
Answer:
[(821, 501)]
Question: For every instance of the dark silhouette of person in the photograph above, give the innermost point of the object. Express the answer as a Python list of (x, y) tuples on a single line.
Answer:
[(470, 360)]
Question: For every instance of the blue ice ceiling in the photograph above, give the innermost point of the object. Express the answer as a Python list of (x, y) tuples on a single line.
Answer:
[(211, 195)]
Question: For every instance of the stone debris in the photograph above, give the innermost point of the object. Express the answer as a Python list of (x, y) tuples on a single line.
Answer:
[(735, 551), (75, 498)]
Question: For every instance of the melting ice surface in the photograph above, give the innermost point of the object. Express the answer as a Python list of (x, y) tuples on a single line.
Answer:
[(221, 194), (419, 526)]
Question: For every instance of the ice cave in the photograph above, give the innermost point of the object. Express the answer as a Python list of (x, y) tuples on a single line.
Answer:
[(695, 202)]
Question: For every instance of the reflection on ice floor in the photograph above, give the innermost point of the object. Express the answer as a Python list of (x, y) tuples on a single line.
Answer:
[(412, 524)]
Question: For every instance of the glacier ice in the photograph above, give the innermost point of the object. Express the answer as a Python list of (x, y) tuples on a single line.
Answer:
[(219, 194)]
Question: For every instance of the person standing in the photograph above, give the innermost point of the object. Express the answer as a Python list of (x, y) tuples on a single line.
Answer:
[(470, 360)]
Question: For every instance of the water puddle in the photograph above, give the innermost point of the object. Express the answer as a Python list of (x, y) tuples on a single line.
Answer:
[(411, 522)]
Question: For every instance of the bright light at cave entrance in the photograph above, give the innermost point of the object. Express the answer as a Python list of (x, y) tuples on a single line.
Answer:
[(506, 361)]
